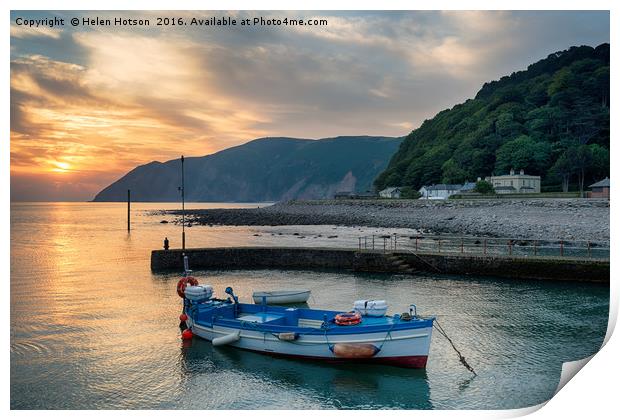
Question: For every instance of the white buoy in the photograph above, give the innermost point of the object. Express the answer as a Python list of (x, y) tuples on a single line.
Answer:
[(227, 339)]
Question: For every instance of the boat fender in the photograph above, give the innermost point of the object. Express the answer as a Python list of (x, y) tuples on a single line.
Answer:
[(227, 339), (183, 317), (348, 318), (354, 351), (187, 334), (182, 284), (288, 336)]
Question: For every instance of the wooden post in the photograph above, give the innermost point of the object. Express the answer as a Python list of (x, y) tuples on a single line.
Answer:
[(589, 250), (509, 247), (485, 247), (416, 243), (183, 200), (561, 248), (373, 242), (128, 210), (461, 245)]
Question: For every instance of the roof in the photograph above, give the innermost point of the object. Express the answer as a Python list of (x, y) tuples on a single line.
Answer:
[(601, 183), (390, 190), (468, 186), (447, 187)]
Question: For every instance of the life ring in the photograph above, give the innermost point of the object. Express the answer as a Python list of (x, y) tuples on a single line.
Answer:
[(182, 284), (348, 318)]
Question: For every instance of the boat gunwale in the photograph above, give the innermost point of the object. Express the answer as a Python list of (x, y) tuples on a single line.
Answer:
[(280, 293), (201, 317)]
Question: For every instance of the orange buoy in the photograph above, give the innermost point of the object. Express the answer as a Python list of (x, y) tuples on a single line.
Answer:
[(187, 334), (182, 284), (183, 317), (348, 318)]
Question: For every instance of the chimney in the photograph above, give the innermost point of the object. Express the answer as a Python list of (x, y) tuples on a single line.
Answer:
[(512, 171), (522, 172)]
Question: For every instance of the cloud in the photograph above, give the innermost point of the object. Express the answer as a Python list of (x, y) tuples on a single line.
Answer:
[(35, 32)]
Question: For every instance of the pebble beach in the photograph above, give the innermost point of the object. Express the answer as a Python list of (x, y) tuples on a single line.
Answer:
[(575, 219)]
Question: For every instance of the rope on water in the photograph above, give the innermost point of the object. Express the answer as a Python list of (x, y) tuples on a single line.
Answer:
[(441, 331)]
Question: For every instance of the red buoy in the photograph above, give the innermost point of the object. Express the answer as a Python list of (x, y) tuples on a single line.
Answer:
[(187, 334), (183, 317)]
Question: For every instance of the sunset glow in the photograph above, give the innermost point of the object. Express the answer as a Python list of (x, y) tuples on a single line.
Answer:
[(61, 167), (91, 104)]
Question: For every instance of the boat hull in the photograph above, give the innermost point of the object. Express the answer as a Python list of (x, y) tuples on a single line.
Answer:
[(410, 362), (404, 348)]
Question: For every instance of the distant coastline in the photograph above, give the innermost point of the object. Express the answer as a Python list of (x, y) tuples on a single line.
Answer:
[(525, 218)]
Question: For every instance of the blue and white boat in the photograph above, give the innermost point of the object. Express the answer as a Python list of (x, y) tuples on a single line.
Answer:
[(401, 340)]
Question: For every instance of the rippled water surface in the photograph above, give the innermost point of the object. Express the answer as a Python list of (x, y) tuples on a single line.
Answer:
[(93, 327)]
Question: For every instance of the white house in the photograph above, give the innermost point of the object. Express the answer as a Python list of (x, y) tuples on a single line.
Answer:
[(390, 192), (515, 183), (439, 191)]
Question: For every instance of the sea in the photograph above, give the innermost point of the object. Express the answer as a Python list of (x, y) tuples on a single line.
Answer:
[(92, 327)]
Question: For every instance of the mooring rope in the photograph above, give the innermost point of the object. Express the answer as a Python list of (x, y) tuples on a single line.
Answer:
[(441, 331)]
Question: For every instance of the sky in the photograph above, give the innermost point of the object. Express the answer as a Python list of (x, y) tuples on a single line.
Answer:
[(89, 103)]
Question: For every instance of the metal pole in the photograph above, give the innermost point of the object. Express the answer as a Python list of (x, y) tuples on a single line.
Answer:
[(128, 210), (183, 199)]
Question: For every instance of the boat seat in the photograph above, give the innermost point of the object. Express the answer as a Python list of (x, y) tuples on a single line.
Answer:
[(309, 323)]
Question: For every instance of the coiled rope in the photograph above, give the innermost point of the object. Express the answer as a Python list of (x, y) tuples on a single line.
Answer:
[(441, 331)]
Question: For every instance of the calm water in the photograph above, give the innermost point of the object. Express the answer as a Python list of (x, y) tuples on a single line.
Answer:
[(92, 327)]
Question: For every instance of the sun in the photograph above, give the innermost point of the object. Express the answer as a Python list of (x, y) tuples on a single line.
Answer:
[(61, 167)]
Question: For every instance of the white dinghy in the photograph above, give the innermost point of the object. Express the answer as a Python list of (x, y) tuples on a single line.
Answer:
[(277, 297)]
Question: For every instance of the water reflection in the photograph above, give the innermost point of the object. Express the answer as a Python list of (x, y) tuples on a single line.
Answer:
[(341, 385)]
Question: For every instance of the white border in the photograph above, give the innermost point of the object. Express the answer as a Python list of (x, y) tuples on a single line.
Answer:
[(592, 393)]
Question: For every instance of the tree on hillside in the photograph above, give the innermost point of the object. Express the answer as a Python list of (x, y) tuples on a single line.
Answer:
[(523, 153), (563, 169), (581, 156)]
